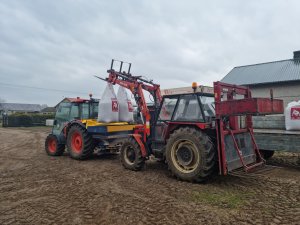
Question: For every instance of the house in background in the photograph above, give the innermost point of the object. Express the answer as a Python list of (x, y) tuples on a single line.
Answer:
[(48, 110), (283, 77), (10, 108)]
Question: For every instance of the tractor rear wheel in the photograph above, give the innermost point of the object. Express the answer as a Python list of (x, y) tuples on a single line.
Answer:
[(52, 146), (131, 155), (190, 155), (79, 142)]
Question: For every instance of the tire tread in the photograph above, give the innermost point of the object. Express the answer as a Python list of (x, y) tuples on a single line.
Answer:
[(88, 145), (60, 147), (140, 160), (209, 154)]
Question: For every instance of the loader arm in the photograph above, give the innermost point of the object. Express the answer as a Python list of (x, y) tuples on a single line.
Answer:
[(136, 84)]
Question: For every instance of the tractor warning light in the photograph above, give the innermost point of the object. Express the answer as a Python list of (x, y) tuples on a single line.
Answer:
[(194, 85)]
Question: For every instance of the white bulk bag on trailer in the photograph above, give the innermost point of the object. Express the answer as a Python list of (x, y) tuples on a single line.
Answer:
[(108, 106), (292, 116), (125, 106)]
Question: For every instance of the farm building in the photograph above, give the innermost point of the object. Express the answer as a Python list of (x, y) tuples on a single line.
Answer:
[(10, 108), (283, 77), (48, 110)]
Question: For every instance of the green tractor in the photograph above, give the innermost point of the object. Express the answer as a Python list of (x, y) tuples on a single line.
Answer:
[(69, 111), (76, 127)]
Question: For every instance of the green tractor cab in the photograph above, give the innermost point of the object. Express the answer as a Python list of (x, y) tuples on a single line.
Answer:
[(74, 109)]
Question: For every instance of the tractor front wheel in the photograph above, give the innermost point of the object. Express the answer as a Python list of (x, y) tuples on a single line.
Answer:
[(79, 143), (190, 155), (131, 155), (52, 147)]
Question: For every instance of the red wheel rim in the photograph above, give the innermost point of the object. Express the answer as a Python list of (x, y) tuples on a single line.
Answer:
[(76, 142), (52, 145)]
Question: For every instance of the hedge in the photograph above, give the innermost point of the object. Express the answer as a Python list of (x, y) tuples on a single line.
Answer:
[(26, 120)]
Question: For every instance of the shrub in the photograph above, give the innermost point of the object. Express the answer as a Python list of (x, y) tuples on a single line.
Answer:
[(27, 120)]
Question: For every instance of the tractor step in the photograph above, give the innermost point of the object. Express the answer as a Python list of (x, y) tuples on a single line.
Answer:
[(263, 171), (252, 167)]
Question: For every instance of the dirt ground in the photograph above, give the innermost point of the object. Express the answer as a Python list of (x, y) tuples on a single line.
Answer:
[(38, 189)]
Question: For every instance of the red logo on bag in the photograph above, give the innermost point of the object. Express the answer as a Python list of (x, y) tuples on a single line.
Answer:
[(295, 113), (130, 107), (114, 105)]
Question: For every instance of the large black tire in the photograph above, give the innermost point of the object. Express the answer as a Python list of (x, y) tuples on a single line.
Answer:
[(52, 147), (266, 154), (79, 142), (190, 155), (131, 155)]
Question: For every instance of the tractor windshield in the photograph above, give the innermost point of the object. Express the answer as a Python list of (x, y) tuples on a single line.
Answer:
[(63, 111), (188, 109), (61, 117), (167, 108)]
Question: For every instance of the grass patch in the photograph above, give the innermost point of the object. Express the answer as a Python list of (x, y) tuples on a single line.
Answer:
[(222, 199)]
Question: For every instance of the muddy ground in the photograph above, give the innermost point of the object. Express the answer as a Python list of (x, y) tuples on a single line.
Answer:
[(38, 189)]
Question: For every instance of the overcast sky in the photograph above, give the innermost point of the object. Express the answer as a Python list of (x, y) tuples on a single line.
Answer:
[(60, 44)]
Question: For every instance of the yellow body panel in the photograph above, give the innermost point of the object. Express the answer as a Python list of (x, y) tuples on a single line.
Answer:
[(117, 128), (111, 127)]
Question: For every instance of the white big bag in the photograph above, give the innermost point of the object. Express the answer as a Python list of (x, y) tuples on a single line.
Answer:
[(108, 106), (125, 106), (292, 116)]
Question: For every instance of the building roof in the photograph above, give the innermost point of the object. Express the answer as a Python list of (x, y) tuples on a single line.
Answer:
[(20, 107), (271, 72), (76, 100), (48, 110)]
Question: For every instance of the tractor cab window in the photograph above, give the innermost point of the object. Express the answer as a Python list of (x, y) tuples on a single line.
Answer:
[(63, 111), (85, 111), (167, 108), (94, 110), (74, 112), (208, 106), (188, 109)]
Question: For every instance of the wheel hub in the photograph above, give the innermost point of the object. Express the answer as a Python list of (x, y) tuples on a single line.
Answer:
[(52, 145), (76, 142), (184, 155)]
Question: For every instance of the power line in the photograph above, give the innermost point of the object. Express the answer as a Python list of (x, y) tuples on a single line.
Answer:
[(41, 88)]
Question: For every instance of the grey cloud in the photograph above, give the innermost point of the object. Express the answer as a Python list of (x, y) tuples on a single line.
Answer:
[(60, 44)]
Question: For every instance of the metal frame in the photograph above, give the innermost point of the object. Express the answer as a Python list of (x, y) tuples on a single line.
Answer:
[(227, 119)]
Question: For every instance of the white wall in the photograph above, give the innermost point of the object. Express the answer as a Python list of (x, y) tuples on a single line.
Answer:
[(286, 91)]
